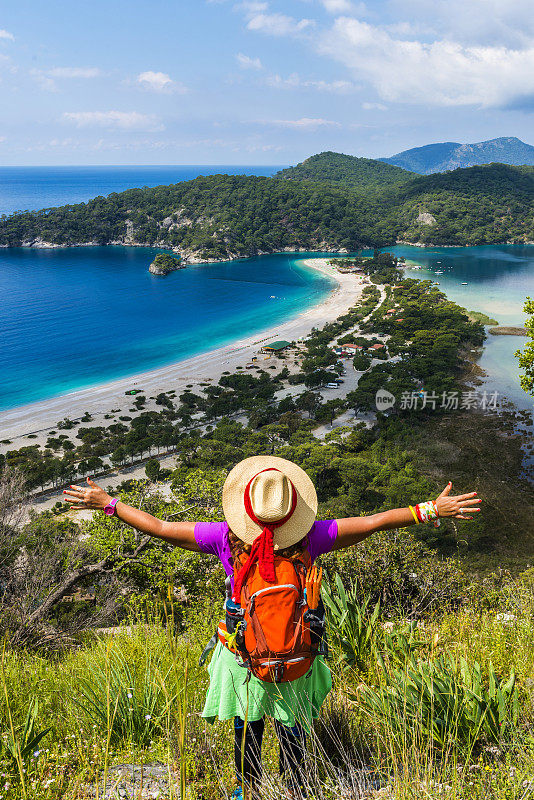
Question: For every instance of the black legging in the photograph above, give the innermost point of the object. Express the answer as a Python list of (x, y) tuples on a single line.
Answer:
[(292, 743)]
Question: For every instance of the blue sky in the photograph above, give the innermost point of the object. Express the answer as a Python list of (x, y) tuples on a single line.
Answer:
[(258, 82)]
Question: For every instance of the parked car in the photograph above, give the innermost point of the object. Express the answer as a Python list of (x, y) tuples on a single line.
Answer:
[(331, 385)]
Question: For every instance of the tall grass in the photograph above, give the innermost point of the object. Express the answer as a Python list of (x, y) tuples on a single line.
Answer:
[(354, 747)]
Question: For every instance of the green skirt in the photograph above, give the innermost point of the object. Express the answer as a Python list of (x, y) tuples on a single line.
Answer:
[(230, 694)]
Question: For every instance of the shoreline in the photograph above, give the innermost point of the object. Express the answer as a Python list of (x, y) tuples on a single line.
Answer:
[(20, 422)]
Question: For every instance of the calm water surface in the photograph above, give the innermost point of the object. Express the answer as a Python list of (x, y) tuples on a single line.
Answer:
[(33, 188), (77, 317), (498, 278)]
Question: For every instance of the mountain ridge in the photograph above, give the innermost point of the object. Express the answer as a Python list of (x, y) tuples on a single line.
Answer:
[(220, 217), (445, 156)]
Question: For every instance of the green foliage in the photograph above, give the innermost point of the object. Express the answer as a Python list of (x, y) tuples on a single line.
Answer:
[(479, 316), (363, 174), (356, 634), (165, 263), (19, 744), (443, 700), (386, 747), (478, 205), (152, 469), (357, 203), (526, 356), (361, 361), (402, 573), (351, 622), (218, 216), (127, 694)]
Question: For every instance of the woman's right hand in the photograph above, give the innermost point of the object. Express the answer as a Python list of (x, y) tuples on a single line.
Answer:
[(460, 506)]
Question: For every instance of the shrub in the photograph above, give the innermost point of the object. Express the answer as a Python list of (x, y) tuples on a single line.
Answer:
[(128, 690), (352, 624), (19, 743), (442, 700)]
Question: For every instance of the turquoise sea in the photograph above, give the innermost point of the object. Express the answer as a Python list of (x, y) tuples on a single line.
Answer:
[(497, 280), (80, 316), (76, 317)]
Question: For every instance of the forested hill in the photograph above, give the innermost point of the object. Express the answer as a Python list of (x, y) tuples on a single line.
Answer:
[(359, 173), (480, 205), (227, 216), (211, 217)]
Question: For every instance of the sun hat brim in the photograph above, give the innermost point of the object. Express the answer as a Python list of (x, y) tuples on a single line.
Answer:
[(239, 522)]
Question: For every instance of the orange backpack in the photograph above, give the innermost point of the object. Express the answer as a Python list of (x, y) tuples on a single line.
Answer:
[(272, 631)]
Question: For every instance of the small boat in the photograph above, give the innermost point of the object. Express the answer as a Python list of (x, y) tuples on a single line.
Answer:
[(464, 283), (439, 272)]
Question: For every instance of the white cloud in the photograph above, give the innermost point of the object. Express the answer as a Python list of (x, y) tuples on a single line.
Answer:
[(496, 22), (294, 81), (278, 24), (73, 72), (47, 78), (159, 82), (7, 36), (343, 7), (441, 73), (251, 7), (305, 123), (246, 62), (374, 107), (125, 120), (259, 18)]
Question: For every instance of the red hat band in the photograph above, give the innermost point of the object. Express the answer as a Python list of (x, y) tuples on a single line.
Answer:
[(263, 547)]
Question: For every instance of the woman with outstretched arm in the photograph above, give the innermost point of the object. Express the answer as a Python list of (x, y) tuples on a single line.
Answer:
[(268, 659)]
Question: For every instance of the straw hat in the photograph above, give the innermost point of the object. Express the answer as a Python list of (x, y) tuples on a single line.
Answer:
[(273, 488)]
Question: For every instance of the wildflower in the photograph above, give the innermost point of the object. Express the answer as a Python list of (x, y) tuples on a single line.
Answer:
[(148, 716), (506, 618), (36, 754), (129, 695)]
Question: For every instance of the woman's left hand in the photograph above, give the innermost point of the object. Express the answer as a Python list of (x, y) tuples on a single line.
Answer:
[(460, 506), (92, 496)]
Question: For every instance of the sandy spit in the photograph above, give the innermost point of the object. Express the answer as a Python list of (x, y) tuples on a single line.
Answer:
[(39, 418)]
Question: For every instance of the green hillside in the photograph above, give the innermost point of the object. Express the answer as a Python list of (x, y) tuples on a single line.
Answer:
[(358, 173), (228, 216), (218, 216), (480, 205)]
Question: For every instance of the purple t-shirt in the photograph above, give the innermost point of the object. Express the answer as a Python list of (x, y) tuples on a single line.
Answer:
[(212, 537)]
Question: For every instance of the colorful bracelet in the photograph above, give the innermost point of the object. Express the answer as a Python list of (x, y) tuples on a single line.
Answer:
[(428, 511), (414, 515)]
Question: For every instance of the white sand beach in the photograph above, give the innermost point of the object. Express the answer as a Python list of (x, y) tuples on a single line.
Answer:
[(38, 419)]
